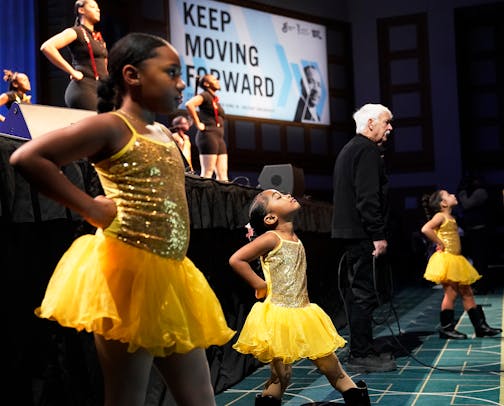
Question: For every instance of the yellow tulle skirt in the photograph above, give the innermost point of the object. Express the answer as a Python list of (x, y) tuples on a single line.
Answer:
[(287, 333), (445, 267), (124, 293)]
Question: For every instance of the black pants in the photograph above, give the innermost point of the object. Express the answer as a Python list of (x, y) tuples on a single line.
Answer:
[(361, 298), (82, 94)]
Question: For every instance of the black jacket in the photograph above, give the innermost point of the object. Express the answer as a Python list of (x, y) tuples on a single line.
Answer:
[(360, 188)]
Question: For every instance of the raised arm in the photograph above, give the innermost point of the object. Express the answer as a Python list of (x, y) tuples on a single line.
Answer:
[(51, 47), (241, 259), (191, 105), (3, 100), (429, 230), (40, 160)]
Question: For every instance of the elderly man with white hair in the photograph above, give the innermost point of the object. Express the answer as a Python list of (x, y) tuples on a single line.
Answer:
[(360, 225)]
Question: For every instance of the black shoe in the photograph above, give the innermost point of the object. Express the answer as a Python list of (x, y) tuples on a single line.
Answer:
[(447, 328), (267, 401), (371, 363), (451, 333), (478, 320), (387, 356), (357, 396)]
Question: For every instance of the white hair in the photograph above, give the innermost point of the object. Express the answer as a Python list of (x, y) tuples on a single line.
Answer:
[(366, 112)]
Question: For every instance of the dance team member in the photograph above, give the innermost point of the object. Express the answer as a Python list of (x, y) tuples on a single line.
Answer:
[(286, 327), (209, 119), (89, 56), (131, 283), (449, 268)]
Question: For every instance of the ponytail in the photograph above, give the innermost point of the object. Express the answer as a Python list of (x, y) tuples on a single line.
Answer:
[(108, 98), (78, 4), (11, 77)]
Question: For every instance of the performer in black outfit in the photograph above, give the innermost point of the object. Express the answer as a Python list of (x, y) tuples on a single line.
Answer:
[(89, 56), (210, 123), (360, 223), (19, 85)]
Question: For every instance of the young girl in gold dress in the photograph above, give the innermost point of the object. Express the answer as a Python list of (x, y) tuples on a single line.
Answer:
[(286, 327), (449, 268), (131, 283)]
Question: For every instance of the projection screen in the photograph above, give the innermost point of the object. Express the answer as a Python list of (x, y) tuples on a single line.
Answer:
[(269, 66)]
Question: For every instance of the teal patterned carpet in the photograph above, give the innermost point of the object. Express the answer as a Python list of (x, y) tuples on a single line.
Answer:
[(431, 371)]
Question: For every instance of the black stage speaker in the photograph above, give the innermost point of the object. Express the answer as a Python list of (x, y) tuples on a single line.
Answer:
[(28, 121), (284, 178)]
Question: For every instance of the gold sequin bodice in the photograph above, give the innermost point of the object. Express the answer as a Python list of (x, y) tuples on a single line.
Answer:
[(448, 233), (146, 181), (284, 269)]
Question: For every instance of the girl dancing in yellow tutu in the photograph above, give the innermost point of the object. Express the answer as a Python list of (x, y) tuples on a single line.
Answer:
[(449, 268), (131, 283), (286, 327)]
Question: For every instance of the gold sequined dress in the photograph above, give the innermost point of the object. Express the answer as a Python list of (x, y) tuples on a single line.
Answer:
[(286, 325), (450, 265), (132, 282)]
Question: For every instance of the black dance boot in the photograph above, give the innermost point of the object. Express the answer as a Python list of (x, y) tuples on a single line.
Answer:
[(357, 396), (447, 329), (267, 401), (481, 328)]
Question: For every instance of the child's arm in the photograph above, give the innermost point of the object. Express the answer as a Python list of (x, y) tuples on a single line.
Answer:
[(429, 230), (51, 47), (40, 160), (3, 99), (240, 261), (191, 105)]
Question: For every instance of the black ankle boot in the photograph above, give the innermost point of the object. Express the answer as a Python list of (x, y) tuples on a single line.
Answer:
[(267, 401), (357, 396), (447, 329), (481, 328)]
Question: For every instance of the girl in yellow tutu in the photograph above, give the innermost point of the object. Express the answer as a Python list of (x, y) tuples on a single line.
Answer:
[(131, 283), (449, 268), (286, 327)]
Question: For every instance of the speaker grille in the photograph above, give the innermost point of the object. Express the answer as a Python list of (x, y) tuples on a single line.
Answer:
[(285, 178)]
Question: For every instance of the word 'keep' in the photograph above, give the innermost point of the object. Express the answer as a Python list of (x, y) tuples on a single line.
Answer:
[(206, 17)]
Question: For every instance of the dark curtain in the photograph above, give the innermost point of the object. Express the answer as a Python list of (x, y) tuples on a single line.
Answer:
[(19, 49)]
